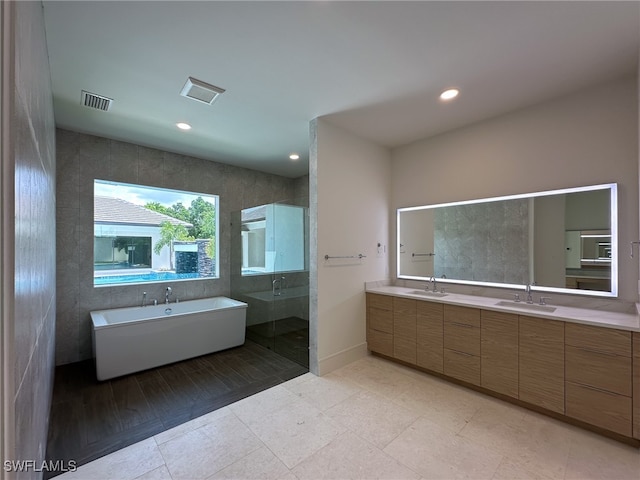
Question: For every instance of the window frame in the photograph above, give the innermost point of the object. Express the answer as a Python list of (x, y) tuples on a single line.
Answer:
[(163, 267)]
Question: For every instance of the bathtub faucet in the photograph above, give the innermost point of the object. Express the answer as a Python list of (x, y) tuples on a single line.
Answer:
[(166, 295)]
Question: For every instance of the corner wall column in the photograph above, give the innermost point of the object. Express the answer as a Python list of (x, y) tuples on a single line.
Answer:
[(7, 236)]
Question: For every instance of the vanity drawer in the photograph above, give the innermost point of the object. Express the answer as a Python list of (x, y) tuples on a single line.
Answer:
[(381, 320), (597, 407), (462, 329), (598, 339), (462, 338), (380, 342), (382, 302), (463, 366), (604, 371), (463, 315), (379, 317)]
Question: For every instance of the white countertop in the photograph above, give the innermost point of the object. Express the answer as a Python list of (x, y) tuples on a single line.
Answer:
[(600, 318)]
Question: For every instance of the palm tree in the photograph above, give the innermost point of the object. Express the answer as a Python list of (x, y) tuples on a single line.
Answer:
[(170, 233)]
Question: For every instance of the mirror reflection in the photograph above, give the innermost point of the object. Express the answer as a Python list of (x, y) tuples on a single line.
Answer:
[(273, 239), (557, 240)]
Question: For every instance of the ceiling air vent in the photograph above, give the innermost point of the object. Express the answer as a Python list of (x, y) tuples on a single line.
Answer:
[(200, 91), (98, 102)]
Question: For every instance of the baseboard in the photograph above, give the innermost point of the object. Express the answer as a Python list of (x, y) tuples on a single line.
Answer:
[(340, 359)]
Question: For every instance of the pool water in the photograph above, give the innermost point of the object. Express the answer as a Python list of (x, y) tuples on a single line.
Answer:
[(144, 277)]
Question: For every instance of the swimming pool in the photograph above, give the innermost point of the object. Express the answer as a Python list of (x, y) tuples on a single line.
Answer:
[(142, 277)]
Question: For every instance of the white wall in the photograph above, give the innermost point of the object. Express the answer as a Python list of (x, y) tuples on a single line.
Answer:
[(350, 198), (589, 137)]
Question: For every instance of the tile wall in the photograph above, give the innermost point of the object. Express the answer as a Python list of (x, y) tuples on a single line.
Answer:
[(33, 134), (82, 158)]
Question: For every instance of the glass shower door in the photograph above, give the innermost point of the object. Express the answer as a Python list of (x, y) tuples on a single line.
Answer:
[(290, 282), (269, 273)]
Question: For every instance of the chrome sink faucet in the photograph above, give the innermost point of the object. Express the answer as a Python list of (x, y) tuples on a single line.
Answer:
[(529, 296), (166, 295), (434, 284)]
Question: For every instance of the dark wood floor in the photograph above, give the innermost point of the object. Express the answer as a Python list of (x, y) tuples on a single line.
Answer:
[(90, 419), (288, 337)]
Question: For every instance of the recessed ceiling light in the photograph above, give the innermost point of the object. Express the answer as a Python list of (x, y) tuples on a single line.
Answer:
[(183, 126), (449, 94), (294, 156)]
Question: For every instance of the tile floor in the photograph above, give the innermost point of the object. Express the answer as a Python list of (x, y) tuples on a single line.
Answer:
[(370, 419), (90, 419)]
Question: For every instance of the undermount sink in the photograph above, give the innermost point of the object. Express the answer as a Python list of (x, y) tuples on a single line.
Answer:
[(428, 293), (526, 306)]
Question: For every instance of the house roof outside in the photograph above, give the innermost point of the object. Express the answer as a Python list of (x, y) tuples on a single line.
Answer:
[(115, 211)]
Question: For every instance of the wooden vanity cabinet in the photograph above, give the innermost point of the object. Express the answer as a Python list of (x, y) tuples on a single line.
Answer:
[(585, 372), (461, 340), (598, 375), (380, 323), (429, 354), (404, 329), (636, 385), (499, 352), (541, 362)]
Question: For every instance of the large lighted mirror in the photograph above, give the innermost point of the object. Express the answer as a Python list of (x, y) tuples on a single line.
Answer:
[(561, 240)]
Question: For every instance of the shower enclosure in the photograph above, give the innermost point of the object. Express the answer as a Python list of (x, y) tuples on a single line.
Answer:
[(269, 272)]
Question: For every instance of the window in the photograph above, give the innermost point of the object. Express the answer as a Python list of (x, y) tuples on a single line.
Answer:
[(145, 234), (111, 253)]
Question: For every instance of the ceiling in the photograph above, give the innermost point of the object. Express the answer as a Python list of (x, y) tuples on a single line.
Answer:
[(373, 68)]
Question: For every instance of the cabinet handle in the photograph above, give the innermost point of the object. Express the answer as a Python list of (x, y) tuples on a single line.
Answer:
[(465, 325), (596, 389)]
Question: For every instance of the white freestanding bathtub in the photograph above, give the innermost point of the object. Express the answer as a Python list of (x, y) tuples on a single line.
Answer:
[(127, 340)]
